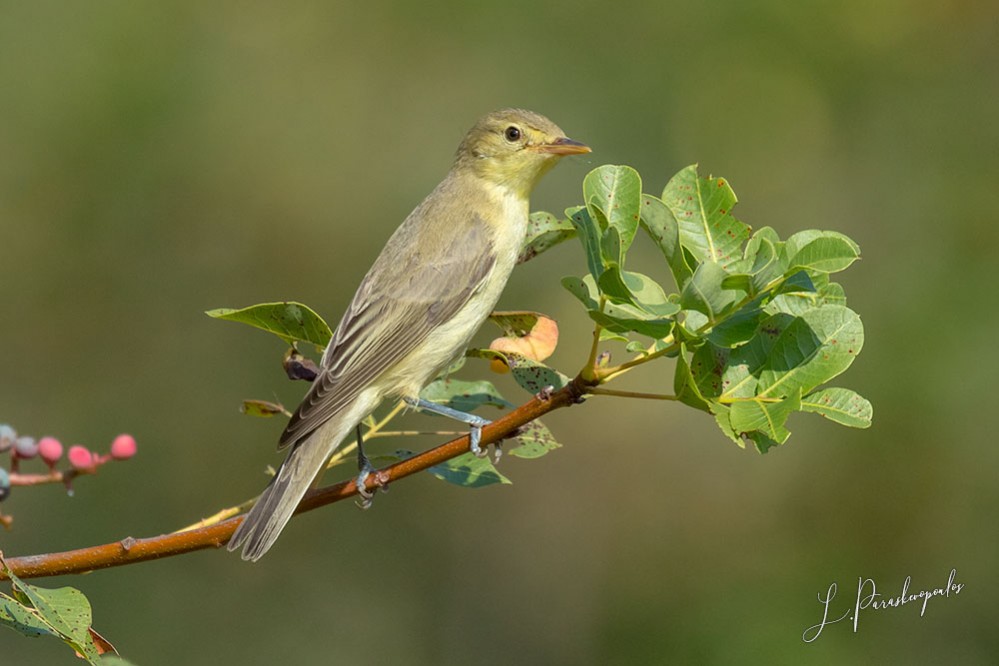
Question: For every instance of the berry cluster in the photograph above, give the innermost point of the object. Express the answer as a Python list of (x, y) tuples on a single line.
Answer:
[(81, 459)]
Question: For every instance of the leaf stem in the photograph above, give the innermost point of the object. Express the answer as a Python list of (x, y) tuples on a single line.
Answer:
[(589, 371), (631, 394), (610, 373)]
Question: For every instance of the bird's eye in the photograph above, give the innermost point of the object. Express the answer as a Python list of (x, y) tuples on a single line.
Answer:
[(512, 133)]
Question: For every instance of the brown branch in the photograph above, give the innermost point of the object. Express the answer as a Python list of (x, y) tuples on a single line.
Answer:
[(53, 476), (130, 550)]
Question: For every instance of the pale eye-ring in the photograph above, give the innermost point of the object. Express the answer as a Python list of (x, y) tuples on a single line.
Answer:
[(512, 133)]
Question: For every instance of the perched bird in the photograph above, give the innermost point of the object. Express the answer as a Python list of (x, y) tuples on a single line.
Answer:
[(434, 283)]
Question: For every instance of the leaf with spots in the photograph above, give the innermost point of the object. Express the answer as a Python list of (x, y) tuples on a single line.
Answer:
[(534, 440), (531, 375), (37, 611), (841, 405), (788, 353), (23, 619), (469, 471), (544, 231), (702, 208)]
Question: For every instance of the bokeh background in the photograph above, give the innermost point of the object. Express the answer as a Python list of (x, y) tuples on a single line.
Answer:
[(161, 159)]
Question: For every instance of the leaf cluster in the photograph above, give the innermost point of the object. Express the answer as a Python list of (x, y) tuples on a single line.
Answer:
[(755, 323)]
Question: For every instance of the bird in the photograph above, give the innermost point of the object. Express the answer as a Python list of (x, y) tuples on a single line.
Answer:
[(434, 283)]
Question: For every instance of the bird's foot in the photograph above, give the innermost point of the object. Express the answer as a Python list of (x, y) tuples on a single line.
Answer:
[(475, 435), (366, 496)]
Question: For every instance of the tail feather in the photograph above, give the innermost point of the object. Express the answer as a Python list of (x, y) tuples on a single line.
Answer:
[(276, 505)]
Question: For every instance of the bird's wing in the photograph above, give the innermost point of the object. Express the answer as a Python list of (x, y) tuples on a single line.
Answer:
[(400, 301)]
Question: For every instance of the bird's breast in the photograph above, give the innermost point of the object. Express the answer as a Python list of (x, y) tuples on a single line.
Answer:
[(507, 230)]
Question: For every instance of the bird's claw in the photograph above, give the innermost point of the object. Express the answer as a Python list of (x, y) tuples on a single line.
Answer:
[(366, 496), (475, 437), (545, 394), (479, 452)]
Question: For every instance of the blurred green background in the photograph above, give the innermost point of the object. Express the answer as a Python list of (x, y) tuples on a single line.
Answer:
[(161, 159)]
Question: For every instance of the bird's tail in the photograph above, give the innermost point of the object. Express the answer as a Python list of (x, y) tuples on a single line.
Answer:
[(275, 506)]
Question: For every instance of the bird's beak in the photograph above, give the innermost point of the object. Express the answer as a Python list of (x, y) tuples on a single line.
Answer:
[(563, 146)]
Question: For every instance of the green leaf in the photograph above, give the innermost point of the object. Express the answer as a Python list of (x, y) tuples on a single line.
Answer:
[(787, 354), (618, 317), (23, 619), (606, 335), (761, 441), (685, 387), (702, 208), (713, 370), (755, 415), (624, 318), (766, 266), (64, 611), (799, 240), (826, 254), (724, 422), (659, 223), (611, 248), (811, 350), (616, 191), (796, 294), (637, 289), (841, 405), (740, 326), (290, 321), (589, 234), (704, 292), (799, 281), (544, 231), (584, 289), (469, 471), (465, 396), (534, 440)]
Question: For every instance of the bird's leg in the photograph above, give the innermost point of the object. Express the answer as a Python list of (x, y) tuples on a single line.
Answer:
[(476, 422), (364, 469)]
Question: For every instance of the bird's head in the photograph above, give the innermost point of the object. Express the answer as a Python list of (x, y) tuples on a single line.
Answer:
[(514, 148)]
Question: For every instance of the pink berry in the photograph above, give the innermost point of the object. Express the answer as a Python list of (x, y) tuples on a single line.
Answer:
[(123, 447), (50, 449), (80, 457)]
